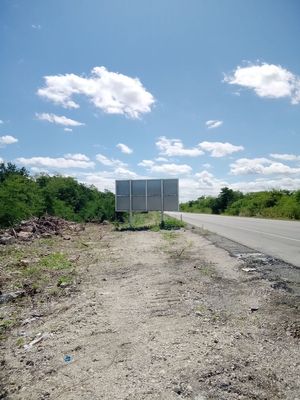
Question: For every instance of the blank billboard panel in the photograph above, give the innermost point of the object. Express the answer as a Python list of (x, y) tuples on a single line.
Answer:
[(122, 203), (123, 188), (154, 203), (154, 187), (147, 195), (138, 188), (170, 203), (139, 203), (170, 187)]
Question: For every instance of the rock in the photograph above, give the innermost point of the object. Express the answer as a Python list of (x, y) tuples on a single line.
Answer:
[(67, 237), (27, 228), (249, 269), (105, 222), (7, 297), (7, 239), (24, 235), (63, 284), (26, 262), (46, 235)]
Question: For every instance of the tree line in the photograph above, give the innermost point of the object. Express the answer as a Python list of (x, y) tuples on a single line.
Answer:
[(23, 196), (268, 204)]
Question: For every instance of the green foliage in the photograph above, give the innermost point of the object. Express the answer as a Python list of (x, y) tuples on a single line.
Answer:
[(149, 221), (55, 261), (267, 204), (171, 223), (22, 196)]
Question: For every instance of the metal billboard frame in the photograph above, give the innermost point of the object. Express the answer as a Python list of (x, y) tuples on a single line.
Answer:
[(136, 190)]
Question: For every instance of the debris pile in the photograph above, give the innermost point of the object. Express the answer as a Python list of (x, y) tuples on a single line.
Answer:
[(45, 227)]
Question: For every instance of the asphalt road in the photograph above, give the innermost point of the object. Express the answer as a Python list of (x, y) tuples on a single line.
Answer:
[(276, 238)]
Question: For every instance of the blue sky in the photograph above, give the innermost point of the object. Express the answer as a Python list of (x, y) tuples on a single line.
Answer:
[(204, 90)]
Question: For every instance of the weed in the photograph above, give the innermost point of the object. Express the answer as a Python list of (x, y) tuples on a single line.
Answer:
[(170, 236), (20, 342), (64, 281), (5, 324), (55, 261), (172, 223)]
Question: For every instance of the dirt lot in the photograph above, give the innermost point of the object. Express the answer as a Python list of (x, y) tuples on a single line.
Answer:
[(149, 315)]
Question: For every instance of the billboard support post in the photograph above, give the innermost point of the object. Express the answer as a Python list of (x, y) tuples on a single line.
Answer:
[(162, 202), (130, 204)]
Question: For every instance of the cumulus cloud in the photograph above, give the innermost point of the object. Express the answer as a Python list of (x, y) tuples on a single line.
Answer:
[(218, 149), (68, 161), (109, 162), (146, 163), (68, 130), (174, 147), (112, 92), (1, 160), (213, 123), (124, 148), (161, 159), (7, 139), (106, 179), (283, 183), (167, 169), (262, 166), (58, 119), (77, 157), (285, 157), (267, 80)]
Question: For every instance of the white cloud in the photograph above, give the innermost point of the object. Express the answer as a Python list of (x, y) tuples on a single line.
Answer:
[(1, 122), (7, 139), (174, 147), (146, 163), (36, 26), (267, 80), (124, 148), (201, 184), (69, 161), (206, 165), (161, 159), (68, 130), (262, 166), (57, 119), (1, 160), (171, 169), (213, 123), (109, 162), (106, 179), (284, 183), (286, 157), (112, 92), (218, 149), (77, 157)]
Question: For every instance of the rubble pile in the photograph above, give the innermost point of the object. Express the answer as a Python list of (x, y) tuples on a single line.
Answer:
[(45, 227)]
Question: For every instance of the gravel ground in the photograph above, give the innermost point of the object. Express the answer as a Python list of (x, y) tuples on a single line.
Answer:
[(155, 315)]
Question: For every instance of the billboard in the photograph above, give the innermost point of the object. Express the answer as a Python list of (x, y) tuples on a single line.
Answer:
[(147, 195)]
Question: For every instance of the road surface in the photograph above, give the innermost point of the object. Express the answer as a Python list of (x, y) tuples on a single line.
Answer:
[(276, 238)]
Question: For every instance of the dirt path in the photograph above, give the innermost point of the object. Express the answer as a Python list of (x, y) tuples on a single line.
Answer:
[(159, 316)]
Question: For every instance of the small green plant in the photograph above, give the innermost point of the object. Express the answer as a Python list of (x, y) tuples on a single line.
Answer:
[(5, 324), (20, 342), (64, 281), (172, 223), (55, 261)]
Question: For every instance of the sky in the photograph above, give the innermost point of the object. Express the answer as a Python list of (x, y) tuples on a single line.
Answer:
[(207, 91)]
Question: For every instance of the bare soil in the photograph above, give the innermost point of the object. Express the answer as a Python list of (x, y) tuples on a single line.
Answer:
[(152, 315)]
